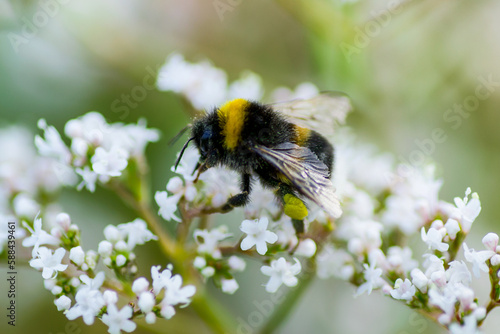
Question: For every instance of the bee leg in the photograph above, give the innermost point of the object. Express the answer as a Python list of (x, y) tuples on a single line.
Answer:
[(293, 207), (242, 198)]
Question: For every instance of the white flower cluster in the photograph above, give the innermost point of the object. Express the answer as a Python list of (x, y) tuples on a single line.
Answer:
[(206, 86), (98, 151), (26, 179), (63, 275), (382, 211)]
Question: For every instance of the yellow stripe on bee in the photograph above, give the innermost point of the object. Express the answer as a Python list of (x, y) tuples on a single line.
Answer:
[(232, 118), (294, 207), (301, 135)]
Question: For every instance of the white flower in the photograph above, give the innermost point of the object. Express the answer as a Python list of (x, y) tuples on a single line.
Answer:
[(77, 255), (112, 234), (203, 84), (248, 87), (120, 260), (444, 299), (52, 146), (433, 239), (236, 263), (175, 294), (38, 237), (110, 297), (175, 185), (119, 320), (25, 206), (208, 240), (50, 263), (419, 279), (306, 248), (167, 205), (109, 162), (89, 178), (140, 285), (403, 290), (468, 210), (433, 264), (257, 234), (281, 272), (229, 286), (477, 259), (373, 279), (208, 271), (150, 318), (187, 164), (200, 262), (146, 301), (160, 280), (490, 241), (458, 273), (93, 283), (469, 326), (452, 228), (136, 232), (62, 303), (105, 248), (88, 304), (401, 258), (334, 262)]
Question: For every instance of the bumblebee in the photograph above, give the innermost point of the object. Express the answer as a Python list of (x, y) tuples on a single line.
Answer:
[(269, 141)]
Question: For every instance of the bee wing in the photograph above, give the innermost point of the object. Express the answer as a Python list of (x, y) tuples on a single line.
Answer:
[(321, 113), (306, 172)]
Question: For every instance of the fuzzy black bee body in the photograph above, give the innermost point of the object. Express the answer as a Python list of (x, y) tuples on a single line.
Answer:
[(254, 139)]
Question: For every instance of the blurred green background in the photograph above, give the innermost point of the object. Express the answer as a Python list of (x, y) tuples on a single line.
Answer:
[(404, 67)]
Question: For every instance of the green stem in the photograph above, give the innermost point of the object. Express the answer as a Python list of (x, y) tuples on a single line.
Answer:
[(284, 309)]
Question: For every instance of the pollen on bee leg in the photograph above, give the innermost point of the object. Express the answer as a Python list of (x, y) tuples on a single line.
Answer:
[(294, 207)]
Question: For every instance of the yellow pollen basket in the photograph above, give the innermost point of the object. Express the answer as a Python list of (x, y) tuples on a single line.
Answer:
[(294, 207), (232, 117)]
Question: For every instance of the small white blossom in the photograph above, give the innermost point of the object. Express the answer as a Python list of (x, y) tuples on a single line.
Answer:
[(433, 239), (140, 285), (306, 248), (89, 178), (229, 286), (112, 234), (105, 248), (257, 234), (199, 262), (38, 237), (109, 162), (403, 290), (77, 255), (110, 297), (468, 209), (62, 303), (208, 271), (88, 304), (419, 279), (52, 145), (281, 272), (373, 279), (452, 228), (469, 326), (50, 263), (208, 240), (176, 294), (150, 318), (477, 259), (490, 241), (120, 260), (236, 263), (248, 87), (119, 320), (136, 233), (458, 273), (146, 301), (167, 205)]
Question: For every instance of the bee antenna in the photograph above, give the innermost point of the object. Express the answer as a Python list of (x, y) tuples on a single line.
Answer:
[(182, 152), (179, 134)]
